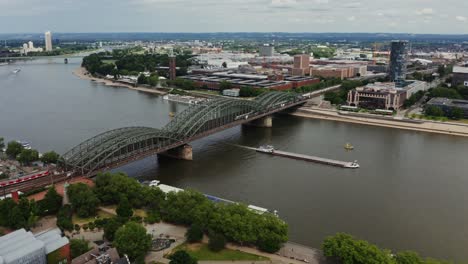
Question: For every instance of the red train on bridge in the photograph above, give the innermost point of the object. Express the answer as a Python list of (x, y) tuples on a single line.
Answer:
[(25, 179)]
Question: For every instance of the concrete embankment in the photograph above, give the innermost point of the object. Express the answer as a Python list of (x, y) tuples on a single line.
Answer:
[(425, 126), (83, 74)]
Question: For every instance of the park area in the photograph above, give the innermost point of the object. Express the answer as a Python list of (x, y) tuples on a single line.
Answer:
[(201, 251)]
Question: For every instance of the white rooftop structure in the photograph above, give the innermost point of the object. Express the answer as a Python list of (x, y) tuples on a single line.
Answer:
[(458, 69), (24, 247)]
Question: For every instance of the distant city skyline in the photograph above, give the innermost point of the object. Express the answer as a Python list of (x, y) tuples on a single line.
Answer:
[(392, 16)]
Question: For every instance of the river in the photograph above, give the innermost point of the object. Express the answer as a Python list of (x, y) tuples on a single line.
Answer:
[(410, 192)]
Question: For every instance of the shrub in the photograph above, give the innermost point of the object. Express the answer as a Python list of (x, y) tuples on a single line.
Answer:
[(217, 242), (194, 234)]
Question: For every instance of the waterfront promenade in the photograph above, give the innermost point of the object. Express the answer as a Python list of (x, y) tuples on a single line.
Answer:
[(83, 74), (423, 126)]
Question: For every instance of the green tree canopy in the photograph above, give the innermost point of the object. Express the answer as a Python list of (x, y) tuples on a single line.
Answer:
[(153, 80), (124, 209), (14, 148), (78, 247), (2, 144), (194, 233), (110, 227), (224, 85), (52, 201), (182, 257), (27, 156), (83, 199), (349, 250), (408, 257), (50, 157), (217, 242), (450, 93), (132, 239), (433, 110)]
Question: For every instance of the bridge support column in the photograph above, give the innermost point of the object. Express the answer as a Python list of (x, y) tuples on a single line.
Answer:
[(183, 152), (266, 121)]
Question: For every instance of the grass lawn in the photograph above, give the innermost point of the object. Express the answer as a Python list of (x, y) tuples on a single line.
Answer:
[(139, 212), (202, 252), (109, 61), (81, 221)]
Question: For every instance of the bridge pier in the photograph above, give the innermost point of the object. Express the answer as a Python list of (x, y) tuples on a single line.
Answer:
[(266, 121), (183, 153)]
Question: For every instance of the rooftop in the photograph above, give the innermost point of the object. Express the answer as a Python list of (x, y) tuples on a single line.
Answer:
[(458, 69), (449, 102)]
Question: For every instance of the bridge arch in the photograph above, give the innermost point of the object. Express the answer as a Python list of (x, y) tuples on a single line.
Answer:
[(114, 146), (118, 146)]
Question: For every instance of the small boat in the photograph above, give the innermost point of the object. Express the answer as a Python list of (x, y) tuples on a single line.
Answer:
[(348, 146), (352, 165), (15, 71), (266, 149), (24, 144)]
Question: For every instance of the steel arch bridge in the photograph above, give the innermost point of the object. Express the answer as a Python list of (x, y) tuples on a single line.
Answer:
[(120, 146)]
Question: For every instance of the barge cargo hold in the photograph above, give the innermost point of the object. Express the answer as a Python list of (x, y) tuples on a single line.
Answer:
[(343, 164)]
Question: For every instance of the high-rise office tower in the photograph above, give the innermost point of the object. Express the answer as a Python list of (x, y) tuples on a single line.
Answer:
[(398, 61), (48, 41)]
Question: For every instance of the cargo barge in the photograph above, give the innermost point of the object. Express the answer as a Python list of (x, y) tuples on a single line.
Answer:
[(267, 149)]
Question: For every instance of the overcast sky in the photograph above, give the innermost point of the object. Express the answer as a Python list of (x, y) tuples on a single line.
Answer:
[(406, 16)]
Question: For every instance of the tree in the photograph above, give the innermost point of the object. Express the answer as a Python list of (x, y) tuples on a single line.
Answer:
[(50, 157), (349, 250), (408, 257), (78, 247), (83, 199), (132, 239), (142, 79), (153, 80), (91, 226), (182, 257), (110, 228), (52, 201), (434, 111), (77, 227), (457, 113), (124, 209), (217, 242), (194, 234), (224, 85), (2, 144), (64, 218), (27, 156), (14, 148)]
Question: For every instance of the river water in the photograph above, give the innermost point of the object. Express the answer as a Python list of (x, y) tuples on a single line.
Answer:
[(410, 192)]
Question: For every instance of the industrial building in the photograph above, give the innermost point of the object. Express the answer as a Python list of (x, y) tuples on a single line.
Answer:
[(273, 82), (460, 76), (266, 50), (447, 105), (21, 247), (340, 71), (301, 65), (398, 61), (384, 95)]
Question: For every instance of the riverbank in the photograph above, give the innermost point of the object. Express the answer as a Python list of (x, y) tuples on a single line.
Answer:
[(83, 74), (430, 127)]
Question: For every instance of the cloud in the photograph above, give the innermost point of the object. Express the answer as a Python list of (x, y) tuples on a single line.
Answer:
[(425, 12), (351, 18), (461, 18)]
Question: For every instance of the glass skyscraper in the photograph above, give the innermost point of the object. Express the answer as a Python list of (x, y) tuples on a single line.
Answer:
[(398, 61)]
